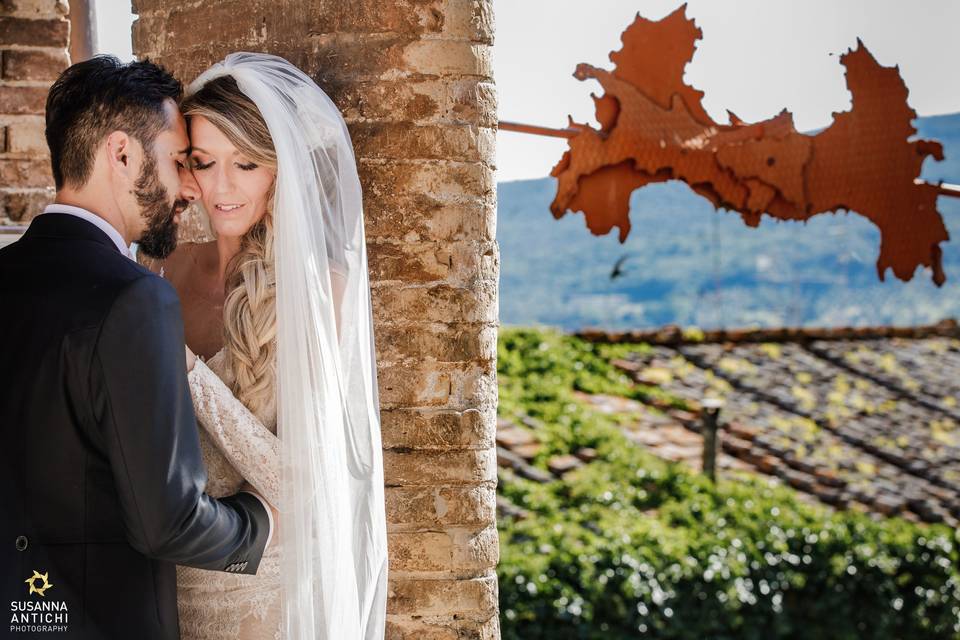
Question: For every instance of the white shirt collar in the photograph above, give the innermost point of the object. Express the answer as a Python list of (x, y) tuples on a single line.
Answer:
[(93, 218)]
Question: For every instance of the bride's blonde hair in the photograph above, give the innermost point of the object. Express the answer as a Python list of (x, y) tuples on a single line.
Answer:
[(249, 310)]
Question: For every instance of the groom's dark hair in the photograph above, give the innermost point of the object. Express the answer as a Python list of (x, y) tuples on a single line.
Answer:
[(96, 97)]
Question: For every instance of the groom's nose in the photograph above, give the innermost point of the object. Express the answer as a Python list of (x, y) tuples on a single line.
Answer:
[(189, 189)]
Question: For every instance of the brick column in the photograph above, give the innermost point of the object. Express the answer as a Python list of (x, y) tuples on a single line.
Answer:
[(34, 35), (414, 81)]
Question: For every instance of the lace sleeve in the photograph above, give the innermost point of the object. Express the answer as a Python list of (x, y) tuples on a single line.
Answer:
[(153, 264), (249, 445)]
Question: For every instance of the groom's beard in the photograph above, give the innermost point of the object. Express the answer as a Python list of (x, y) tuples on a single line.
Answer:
[(159, 239)]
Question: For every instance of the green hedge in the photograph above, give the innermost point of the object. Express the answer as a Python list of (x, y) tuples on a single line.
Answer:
[(629, 546)]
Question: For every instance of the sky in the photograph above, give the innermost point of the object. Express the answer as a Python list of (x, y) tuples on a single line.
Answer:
[(756, 57)]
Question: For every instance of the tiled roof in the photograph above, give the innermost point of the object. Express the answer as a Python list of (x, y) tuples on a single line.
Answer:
[(862, 418), (848, 415)]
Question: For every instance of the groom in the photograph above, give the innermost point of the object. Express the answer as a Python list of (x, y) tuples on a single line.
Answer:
[(101, 476)]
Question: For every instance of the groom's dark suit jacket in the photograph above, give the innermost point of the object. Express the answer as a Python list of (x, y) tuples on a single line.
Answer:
[(101, 477)]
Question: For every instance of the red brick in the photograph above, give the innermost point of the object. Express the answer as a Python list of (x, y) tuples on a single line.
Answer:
[(432, 507), (21, 206), (35, 33), (457, 264), (466, 143), (33, 64), (217, 22), (457, 343), (25, 173), (22, 100), (373, 16), (25, 136), (457, 628), (448, 596), (441, 180), (438, 429), (436, 385), (34, 8), (437, 303), (448, 100), (432, 468), (418, 216), (141, 7)]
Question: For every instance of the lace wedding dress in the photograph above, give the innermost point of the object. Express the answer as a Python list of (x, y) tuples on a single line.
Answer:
[(237, 445), (332, 571)]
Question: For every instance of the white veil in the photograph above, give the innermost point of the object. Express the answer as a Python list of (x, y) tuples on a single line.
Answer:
[(332, 526)]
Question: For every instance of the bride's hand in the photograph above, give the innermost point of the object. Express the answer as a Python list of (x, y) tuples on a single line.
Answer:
[(191, 359)]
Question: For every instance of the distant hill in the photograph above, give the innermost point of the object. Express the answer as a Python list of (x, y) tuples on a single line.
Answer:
[(691, 265)]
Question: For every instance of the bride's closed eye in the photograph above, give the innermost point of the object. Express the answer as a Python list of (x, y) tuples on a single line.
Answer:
[(199, 166)]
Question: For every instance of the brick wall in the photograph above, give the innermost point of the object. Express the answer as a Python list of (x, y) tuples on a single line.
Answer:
[(34, 35), (414, 81)]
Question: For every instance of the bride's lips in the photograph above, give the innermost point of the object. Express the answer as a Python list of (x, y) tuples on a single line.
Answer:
[(227, 208)]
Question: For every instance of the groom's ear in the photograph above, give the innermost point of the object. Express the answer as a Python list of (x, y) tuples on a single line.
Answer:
[(124, 155)]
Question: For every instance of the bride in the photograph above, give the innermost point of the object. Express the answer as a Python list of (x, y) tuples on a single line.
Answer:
[(277, 308)]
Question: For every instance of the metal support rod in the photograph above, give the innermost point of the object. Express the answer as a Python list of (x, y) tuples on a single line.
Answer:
[(536, 129), (710, 416), (944, 189)]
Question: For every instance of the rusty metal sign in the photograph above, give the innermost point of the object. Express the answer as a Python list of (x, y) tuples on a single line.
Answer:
[(654, 128)]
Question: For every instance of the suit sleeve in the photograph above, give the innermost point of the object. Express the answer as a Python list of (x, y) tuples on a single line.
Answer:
[(145, 414)]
